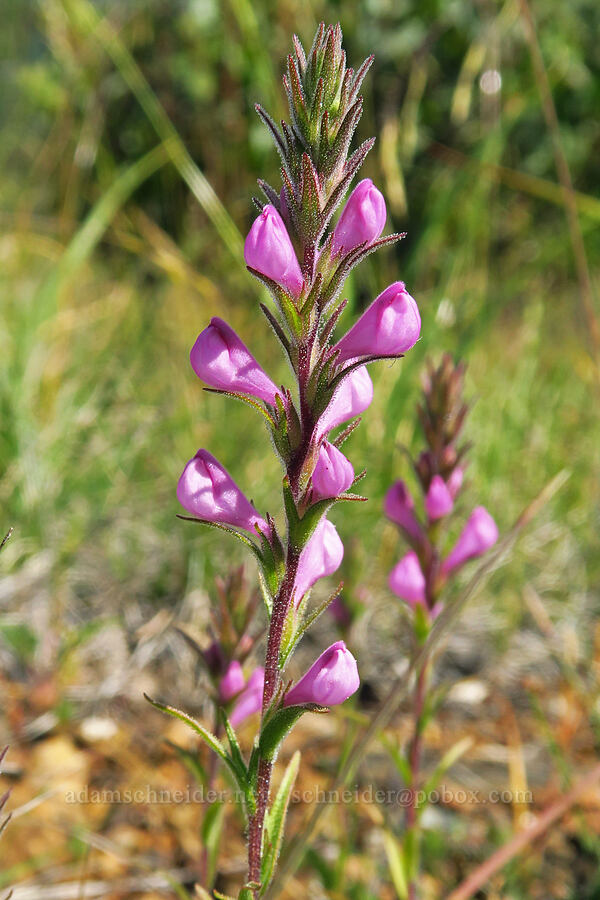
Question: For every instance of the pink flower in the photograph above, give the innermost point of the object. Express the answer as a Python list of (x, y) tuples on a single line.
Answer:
[(455, 481), (269, 250), (362, 219), (407, 581), (479, 534), (333, 473), (438, 501), (207, 490), (232, 682), (321, 556), (399, 507), (250, 700), (353, 395), (224, 362), (390, 326), (329, 681)]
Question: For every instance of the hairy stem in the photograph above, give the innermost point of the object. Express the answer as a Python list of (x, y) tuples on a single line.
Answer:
[(280, 610), (272, 676)]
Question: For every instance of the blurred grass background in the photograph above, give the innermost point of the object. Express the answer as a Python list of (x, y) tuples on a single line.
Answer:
[(129, 153)]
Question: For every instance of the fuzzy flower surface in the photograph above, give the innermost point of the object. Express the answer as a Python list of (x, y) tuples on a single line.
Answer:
[(362, 220), (389, 327), (269, 250), (353, 396), (207, 490), (322, 556), (333, 473), (222, 360), (331, 679)]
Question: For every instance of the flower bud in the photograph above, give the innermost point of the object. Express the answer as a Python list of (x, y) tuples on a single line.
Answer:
[(329, 681), (232, 682), (455, 481), (224, 362), (353, 395), (333, 473), (362, 219), (207, 490), (322, 556), (250, 700), (479, 534), (407, 581), (269, 250), (399, 507), (390, 326), (438, 501)]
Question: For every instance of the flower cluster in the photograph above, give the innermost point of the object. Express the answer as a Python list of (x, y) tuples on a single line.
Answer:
[(420, 576), (290, 250), (303, 259)]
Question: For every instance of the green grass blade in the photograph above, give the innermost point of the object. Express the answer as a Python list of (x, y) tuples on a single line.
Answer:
[(275, 822), (85, 17)]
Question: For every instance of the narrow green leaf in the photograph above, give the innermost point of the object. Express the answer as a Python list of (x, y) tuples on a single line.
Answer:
[(191, 762), (303, 628), (247, 892), (447, 761), (253, 766), (276, 728), (207, 736), (210, 832), (241, 537), (288, 636), (85, 17), (201, 894), (305, 526), (236, 753), (248, 400), (411, 851), (6, 538), (396, 864), (398, 758), (275, 819)]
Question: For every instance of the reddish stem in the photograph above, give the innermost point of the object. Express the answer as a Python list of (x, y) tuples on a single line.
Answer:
[(272, 676)]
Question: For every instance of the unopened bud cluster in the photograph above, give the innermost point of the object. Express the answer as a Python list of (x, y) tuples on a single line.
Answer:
[(303, 261)]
